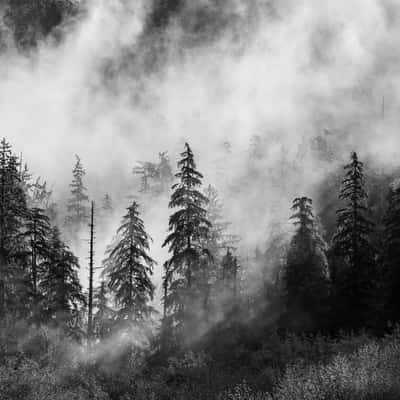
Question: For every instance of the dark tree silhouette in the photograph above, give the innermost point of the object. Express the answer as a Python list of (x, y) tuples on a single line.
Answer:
[(128, 268), (12, 213), (305, 277), (37, 232), (60, 286), (189, 229), (353, 266), (391, 255)]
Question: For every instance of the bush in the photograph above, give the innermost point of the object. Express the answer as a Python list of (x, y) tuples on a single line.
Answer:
[(242, 391), (372, 372)]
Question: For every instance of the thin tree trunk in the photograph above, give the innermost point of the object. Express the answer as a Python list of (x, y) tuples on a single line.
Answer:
[(91, 273)]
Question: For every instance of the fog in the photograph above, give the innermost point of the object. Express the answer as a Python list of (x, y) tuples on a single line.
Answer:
[(115, 91)]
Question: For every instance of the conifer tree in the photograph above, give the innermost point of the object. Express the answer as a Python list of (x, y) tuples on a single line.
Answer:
[(107, 205), (12, 213), (217, 242), (391, 255), (104, 316), (306, 274), (228, 290), (229, 272), (128, 268), (60, 286), (25, 178), (37, 232), (354, 270), (77, 206), (189, 228), (218, 239), (165, 173)]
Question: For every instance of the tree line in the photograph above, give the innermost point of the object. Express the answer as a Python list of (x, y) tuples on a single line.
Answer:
[(349, 284)]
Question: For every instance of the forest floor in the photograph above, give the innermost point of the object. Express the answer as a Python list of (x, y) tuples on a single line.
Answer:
[(39, 364)]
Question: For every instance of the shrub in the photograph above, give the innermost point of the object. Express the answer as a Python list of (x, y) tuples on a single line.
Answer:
[(242, 391), (369, 373)]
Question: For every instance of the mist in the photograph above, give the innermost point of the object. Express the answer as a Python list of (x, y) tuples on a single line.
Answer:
[(116, 89)]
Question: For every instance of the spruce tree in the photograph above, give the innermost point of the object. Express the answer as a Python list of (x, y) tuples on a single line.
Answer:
[(60, 286), (218, 239), (77, 206), (12, 213), (165, 174), (305, 277), (104, 316), (391, 255), (228, 289), (128, 268), (354, 270), (36, 233), (107, 205), (216, 242), (189, 229)]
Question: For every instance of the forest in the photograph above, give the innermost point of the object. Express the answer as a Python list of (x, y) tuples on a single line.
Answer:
[(301, 319), (199, 200)]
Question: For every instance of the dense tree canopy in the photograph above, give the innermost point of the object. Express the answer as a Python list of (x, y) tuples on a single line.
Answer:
[(219, 296)]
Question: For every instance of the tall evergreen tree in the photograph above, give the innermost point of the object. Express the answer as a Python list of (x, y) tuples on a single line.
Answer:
[(128, 268), (60, 286), (189, 228), (391, 255), (306, 274), (77, 206), (354, 269), (37, 232), (12, 213)]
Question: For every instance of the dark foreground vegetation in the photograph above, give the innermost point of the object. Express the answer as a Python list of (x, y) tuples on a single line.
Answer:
[(43, 364)]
